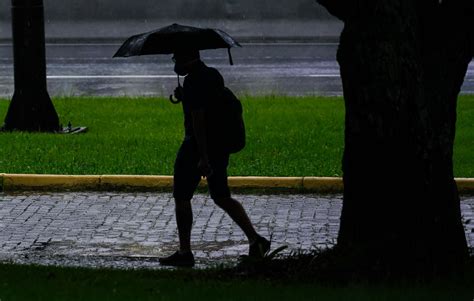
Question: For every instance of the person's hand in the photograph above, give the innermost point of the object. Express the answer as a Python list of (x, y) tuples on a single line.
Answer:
[(205, 168), (179, 93)]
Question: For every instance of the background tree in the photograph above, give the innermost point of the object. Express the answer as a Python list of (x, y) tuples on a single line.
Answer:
[(402, 65), (31, 108)]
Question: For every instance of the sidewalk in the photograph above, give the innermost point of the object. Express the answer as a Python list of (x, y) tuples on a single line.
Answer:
[(130, 230)]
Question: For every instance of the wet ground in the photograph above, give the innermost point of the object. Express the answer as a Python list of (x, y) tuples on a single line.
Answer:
[(131, 230), (260, 68)]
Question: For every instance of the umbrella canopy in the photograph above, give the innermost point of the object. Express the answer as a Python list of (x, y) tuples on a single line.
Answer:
[(174, 38)]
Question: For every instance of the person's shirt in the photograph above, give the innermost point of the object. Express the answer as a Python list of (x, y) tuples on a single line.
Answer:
[(202, 86)]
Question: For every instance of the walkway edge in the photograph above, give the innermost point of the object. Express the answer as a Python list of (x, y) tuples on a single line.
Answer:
[(25, 182)]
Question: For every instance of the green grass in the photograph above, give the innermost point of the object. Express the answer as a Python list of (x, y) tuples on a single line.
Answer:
[(464, 143), (47, 283), (287, 136)]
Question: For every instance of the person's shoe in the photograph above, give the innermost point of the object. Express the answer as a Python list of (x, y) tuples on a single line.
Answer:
[(178, 259), (259, 248)]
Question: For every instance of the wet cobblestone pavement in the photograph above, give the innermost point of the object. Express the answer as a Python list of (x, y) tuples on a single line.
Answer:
[(131, 230)]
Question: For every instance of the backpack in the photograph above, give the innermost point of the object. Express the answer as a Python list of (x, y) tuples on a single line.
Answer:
[(226, 126)]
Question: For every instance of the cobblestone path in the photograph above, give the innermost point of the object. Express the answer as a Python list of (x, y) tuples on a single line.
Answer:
[(130, 230)]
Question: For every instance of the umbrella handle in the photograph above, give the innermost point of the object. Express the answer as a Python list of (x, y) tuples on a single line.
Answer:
[(174, 101)]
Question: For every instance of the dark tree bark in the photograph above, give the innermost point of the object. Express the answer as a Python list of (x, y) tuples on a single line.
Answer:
[(31, 108), (402, 65)]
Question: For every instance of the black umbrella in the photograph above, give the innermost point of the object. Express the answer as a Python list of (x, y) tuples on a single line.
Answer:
[(175, 37)]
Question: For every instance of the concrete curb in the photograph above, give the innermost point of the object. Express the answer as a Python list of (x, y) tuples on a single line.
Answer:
[(25, 182), (15, 182), (111, 182), (465, 185)]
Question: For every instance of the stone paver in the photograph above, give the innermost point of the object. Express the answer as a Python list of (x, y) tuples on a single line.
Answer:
[(131, 230)]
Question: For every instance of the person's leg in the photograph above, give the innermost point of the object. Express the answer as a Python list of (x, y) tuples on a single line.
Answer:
[(185, 181), (220, 193), (235, 210), (186, 178), (258, 245), (184, 220)]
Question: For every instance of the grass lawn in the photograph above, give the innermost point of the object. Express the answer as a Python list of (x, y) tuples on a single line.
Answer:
[(287, 136), (46, 283)]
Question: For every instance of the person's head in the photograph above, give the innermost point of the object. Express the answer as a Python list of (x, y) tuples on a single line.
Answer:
[(184, 61)]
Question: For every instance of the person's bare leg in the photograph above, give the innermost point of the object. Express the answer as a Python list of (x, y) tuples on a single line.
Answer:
[(184, 220), (235, 210)]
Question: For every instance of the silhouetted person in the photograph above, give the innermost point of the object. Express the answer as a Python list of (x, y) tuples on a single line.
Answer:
[(198, 158)]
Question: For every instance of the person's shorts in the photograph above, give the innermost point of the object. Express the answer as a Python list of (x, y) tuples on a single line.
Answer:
[(187, 175)]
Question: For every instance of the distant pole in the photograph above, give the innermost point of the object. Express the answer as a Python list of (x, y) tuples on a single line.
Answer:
[(31, 108)]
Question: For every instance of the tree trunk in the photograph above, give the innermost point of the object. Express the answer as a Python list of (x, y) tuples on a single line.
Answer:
[(402, 69), (31, 108)]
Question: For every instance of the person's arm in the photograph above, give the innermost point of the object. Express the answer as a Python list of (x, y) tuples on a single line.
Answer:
[(199, 126)]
